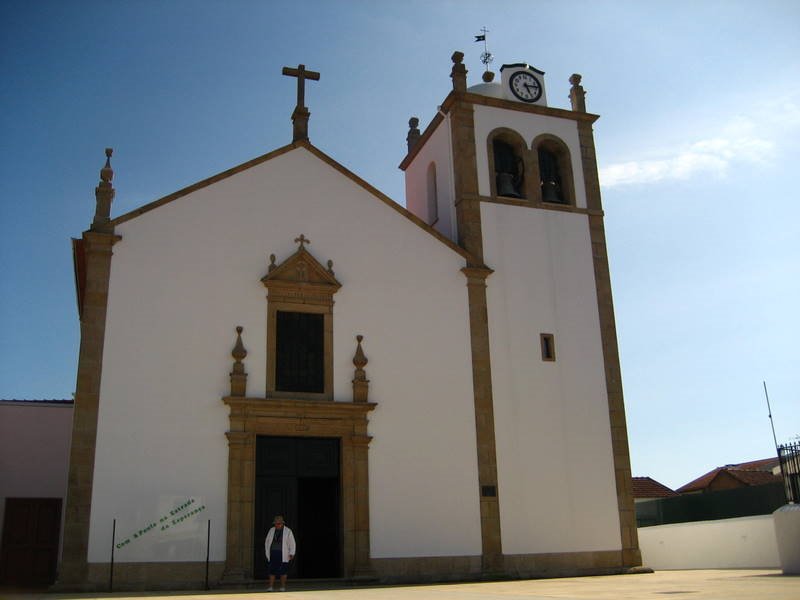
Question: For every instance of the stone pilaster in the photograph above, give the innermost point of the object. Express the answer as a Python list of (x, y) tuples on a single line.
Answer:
[(465, 175), (241, 474), (631, 555), (491, 542), (362, 565), (470, 237), (73, 570)]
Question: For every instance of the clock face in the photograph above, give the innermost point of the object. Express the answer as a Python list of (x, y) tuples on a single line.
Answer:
[(525, 86)]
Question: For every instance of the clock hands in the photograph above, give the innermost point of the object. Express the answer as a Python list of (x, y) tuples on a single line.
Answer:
[(525, 86)]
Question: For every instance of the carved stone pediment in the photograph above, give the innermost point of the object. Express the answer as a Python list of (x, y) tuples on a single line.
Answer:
[(301, 278)]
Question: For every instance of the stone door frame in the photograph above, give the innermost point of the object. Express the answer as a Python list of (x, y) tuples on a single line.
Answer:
[(347, 421)]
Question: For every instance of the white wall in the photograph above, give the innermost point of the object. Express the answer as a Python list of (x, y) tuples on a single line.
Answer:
[(555, 466), (741, 543), (186, 274), (529, 127), (437, 149), (34, 451)]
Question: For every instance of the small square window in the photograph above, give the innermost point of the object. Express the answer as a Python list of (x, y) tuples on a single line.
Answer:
[(548, 346)]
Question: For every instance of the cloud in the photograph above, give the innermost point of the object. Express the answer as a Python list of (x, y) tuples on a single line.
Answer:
[(745, 139), (714, 156)]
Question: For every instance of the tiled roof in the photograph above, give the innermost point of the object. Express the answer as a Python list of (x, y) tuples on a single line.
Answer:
[(646, 487), (765, 464), (755, 472)]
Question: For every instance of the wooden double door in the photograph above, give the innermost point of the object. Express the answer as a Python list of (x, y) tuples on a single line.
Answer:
[(299, 478), (29, 553)]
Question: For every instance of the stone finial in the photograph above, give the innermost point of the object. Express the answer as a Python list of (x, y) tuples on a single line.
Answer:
[(577, 95), (272, 264), (459, 72), (413, 133), (104, 195), (107, 173), (360, 381), (330, 268), (238, 376)]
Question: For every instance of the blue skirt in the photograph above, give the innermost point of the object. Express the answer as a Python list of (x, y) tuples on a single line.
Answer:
[(276, 564)]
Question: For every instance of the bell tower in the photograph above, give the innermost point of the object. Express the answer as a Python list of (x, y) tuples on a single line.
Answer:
[(514, 182)]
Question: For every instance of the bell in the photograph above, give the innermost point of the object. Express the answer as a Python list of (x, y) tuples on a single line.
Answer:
[(550, 192), (505, 185)]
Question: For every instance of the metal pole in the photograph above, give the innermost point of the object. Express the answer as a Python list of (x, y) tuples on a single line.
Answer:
[(208, 549), (769, 410), (111, 571)]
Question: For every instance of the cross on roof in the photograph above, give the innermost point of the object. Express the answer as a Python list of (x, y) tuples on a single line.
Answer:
[(302, 74), (302, 240)]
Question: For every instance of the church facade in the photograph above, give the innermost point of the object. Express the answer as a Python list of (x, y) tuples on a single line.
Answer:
[(425, 393)]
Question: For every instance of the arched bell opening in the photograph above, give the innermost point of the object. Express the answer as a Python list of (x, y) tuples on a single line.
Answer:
[(554, 171), (509, 165)]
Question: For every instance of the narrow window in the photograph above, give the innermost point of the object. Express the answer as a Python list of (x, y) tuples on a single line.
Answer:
[(299, 352), (433, 197), (548, 346), (508, 170), (552, 190)]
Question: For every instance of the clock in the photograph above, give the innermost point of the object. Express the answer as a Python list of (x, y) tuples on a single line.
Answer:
[(525, 86)]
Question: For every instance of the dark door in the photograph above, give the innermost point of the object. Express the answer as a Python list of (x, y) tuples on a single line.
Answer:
[(299, 479), (30, 541)]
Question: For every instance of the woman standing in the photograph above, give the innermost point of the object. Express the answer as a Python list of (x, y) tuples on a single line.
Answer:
[(280, 549)]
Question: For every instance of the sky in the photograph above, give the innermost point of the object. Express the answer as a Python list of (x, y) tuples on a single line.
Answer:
[(698, 147)]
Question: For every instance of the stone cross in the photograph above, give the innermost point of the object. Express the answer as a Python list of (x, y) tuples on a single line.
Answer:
[(302, 240), (301, 74)]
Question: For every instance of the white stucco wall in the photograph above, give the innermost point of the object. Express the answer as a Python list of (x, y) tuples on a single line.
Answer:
[(555, 467), (741, 543), (186, 274), (488, 118), (437, 149), (34, 451)]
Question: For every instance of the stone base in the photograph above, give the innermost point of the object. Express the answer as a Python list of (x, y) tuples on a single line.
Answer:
[(147, 576), (515, 566), (427, 569), (191, 575)]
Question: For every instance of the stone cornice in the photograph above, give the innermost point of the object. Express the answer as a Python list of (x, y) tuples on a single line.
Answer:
[(273, 407), (481, 100)]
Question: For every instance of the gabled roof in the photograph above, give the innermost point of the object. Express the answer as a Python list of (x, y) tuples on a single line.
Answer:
[(324, 158), (755, 472), (646, 487)]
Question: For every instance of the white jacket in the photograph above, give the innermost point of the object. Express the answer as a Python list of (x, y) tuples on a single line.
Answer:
[(288, 543)]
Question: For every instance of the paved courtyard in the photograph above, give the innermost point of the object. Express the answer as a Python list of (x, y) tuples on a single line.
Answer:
[(692, 585)]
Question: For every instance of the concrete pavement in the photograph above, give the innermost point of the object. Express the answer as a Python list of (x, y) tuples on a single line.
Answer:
[(692, 585)]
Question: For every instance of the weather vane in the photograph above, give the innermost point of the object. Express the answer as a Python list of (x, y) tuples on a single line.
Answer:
[(486, 56)]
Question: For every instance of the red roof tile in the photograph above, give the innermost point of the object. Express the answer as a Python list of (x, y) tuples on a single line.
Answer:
[(645, 487), (754, 472)]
